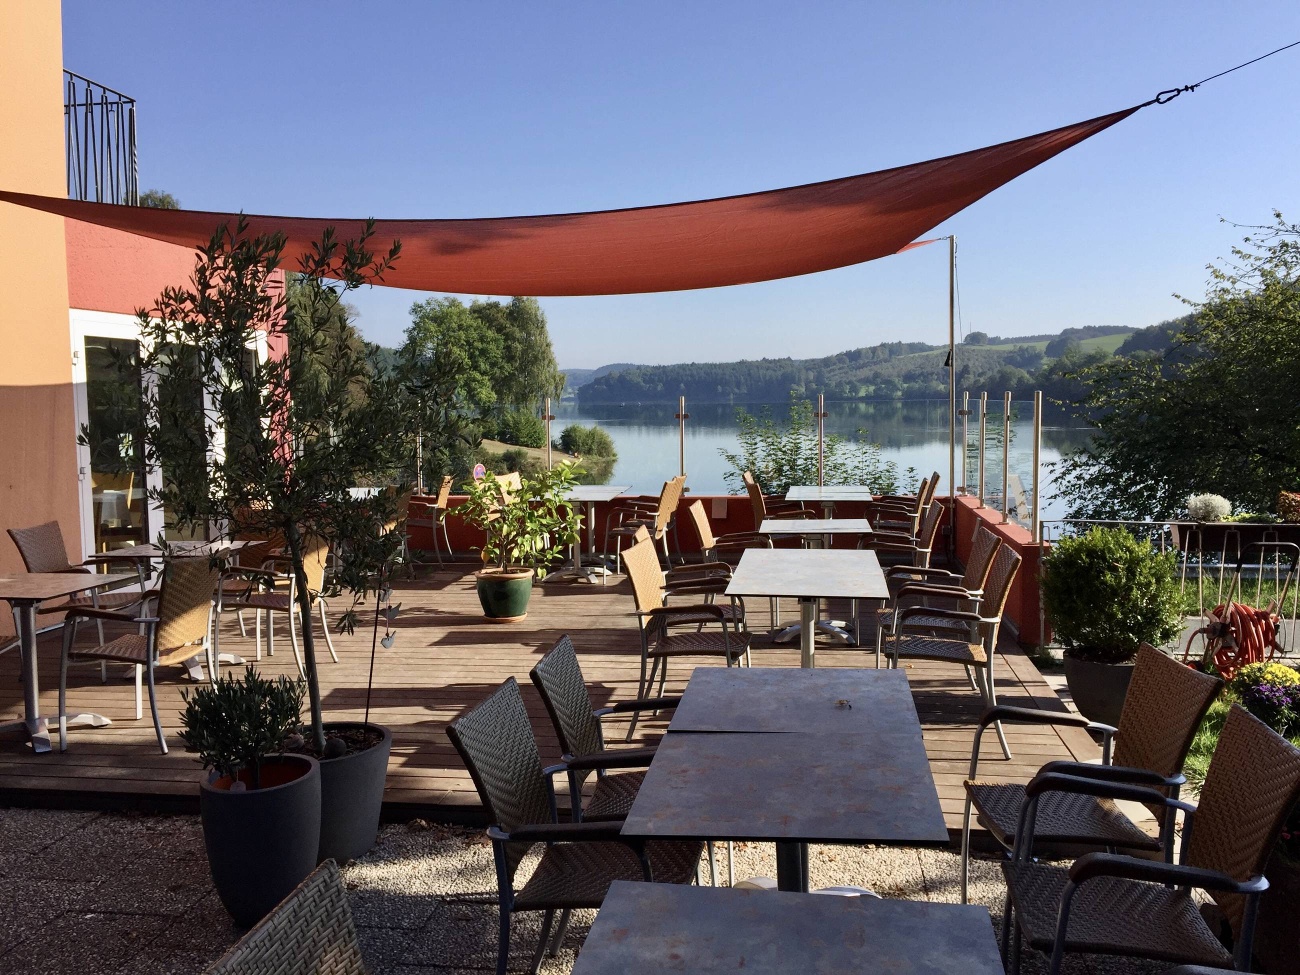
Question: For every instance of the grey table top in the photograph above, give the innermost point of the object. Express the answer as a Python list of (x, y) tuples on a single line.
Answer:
[(37, 586), (809, 574), (814, 788), (595, 492), (815, 526), (793, 699), (829, 492), (138, 553), (646, 929)]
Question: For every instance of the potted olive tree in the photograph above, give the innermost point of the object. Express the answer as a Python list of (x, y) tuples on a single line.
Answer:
[(267, 444), (526, 528), (1105, 593), (260, 807)]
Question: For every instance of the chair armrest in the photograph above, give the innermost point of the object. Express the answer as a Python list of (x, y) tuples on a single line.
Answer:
[(586, 832), (923, 572), (924, 589), (705, 586), (1005, 712), (907, 612), (907, 548), (743, 538), (708, 609), (774, 511), (90, 613), (612, 758), (1092, 865), (1114, 773), (698, 570), (645, 704), (80, 569), (1078, 785)]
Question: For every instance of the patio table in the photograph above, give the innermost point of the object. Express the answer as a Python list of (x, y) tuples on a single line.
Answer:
[(589, 495), (809, 575), (647, 929), (828, 494), (790, 789), (24, 593)]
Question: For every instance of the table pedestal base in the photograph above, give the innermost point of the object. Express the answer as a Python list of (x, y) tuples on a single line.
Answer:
[(194, 665), (807, 627), (792, 867), (38, 729)]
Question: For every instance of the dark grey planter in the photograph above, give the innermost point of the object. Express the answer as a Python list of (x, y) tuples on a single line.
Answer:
[(262, 843), (1098, 689), (352, 792)]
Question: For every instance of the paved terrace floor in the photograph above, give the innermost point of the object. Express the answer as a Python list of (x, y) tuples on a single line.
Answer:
[(447, 658)]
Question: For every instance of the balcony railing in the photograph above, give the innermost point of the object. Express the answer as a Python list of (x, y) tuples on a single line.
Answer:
[(99, 130)]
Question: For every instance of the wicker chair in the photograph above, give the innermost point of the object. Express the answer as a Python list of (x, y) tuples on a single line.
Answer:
[(435, 519), (310, 932), (897, 513), (269, 601), (659, 519), (714, 551), (1113, 904), (181, 628), (764, 509), (1165, 705), (976, 649), (580, 860), (655, 618)]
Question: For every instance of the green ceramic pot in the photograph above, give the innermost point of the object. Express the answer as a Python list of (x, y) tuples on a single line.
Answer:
[(504, 595)]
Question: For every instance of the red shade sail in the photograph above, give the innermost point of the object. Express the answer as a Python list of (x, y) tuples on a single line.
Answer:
[(681, 246)]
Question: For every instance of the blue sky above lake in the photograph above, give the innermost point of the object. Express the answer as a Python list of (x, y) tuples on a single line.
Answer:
[(494, 109)]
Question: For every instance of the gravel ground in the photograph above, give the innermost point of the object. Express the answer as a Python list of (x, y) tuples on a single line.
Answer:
[(105, 894)]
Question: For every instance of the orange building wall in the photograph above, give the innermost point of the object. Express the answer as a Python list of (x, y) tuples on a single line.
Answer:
[(38, 472)]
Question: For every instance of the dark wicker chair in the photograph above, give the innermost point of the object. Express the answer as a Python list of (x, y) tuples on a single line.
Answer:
[(1107, 903), (581, 860), (1165, 705), (903, 514), (977, 648), (310, 932)]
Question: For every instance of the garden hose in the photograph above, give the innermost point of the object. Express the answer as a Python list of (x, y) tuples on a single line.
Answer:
[(1236, 635)]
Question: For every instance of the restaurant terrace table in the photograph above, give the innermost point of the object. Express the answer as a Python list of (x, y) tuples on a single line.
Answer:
[(828, 494), (589, 495), (809, 575), (649, 929), (24, 593)]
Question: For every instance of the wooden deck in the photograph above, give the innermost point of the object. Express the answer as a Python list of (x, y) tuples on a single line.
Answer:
[(447, 658)]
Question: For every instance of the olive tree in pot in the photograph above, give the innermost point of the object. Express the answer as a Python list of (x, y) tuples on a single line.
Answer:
[(1106, 593), (267, 446), (260, 807), (526, 528)]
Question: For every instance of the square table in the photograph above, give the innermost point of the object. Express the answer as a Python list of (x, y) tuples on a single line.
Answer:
[(649, 929), (809, 575), (24, 593), (790, 789), (827, 528), (589, 495), (788, 699), (828, 494)]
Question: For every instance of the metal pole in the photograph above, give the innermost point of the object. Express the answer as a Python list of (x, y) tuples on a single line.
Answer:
[(1036, 511), (1006, 456), (546, 416), (682, 417), (984, 417), (965, 439), (952, 393), (821, 433), (419, 463)]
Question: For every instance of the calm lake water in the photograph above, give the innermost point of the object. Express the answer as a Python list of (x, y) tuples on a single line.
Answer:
[(911, 433)]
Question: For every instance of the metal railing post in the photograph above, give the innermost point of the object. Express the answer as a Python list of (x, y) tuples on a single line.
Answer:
[(821, 434), (964, 412), (547, 418), (1006, 457), (682, 417), (984, 419), (1036, 510)]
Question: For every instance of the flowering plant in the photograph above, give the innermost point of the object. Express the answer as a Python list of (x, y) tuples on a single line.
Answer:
[(1208, 507), (1251, 675), (1277, 705)]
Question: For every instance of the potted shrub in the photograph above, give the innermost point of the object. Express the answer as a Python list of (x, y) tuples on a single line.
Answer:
[(298, 428), (1106, 593), (260, 807), (526, 529)]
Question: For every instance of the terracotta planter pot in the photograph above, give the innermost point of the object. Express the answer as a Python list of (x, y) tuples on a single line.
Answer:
[(504, 595), (1098, 689), (1277, 945), (352, 792), (262, 843)]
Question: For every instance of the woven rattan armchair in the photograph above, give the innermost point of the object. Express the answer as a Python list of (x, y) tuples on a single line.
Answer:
[(901, 513), (657, 620), (580, 860), (716, 550), (657, 518), (181, 628), (977, 649), (434, 517), (763, 508), (1165, 705), (1107, 903), (310, 932), (267, 599)]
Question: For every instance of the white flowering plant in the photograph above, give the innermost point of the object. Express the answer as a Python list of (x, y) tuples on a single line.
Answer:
[(1208, 507)]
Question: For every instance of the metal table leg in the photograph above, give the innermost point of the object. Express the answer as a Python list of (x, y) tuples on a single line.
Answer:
[(792, 867)]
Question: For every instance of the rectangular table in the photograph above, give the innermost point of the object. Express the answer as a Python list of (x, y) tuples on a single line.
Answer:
[(790, 789), (809, 575), (828, 494), (589, 495), (649, 929), (786, 699), (827, 528), (24, 593)]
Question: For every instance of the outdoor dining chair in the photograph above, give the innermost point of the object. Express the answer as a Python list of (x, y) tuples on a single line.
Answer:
[(764, 509), (435, 520), (977, 648), (656, 619), (658, 519), (579, 860), (181, 628), (310, 932), (892, 513), (714, 550), (270, 601), (1112, 904), (1165, 705)]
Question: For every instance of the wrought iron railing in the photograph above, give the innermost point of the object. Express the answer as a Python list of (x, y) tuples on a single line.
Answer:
[(99, 138)]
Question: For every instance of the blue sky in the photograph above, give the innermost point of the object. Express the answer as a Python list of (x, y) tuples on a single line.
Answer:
[(492, 109)]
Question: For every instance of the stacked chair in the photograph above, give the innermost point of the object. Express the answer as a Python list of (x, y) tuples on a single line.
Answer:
[(903, 513), (713, 551), (657, 518), (266, 598), (764, 509), (435, 519)]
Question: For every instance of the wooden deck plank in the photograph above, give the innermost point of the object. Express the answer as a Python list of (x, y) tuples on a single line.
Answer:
[(446, 659)]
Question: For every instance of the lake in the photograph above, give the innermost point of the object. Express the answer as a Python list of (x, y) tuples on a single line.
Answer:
[(912, 433)]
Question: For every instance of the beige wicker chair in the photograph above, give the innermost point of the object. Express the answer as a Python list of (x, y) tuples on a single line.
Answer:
[(580, 860), (632, 515), (895, 513), (977, 649), (180, 630), (1165, 705), (1120, 905), (764, 509), (435, 519), (310, 932), (270, 601), (715, 551)]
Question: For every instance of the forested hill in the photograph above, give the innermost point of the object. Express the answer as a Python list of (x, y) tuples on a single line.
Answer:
[(891, 370)]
